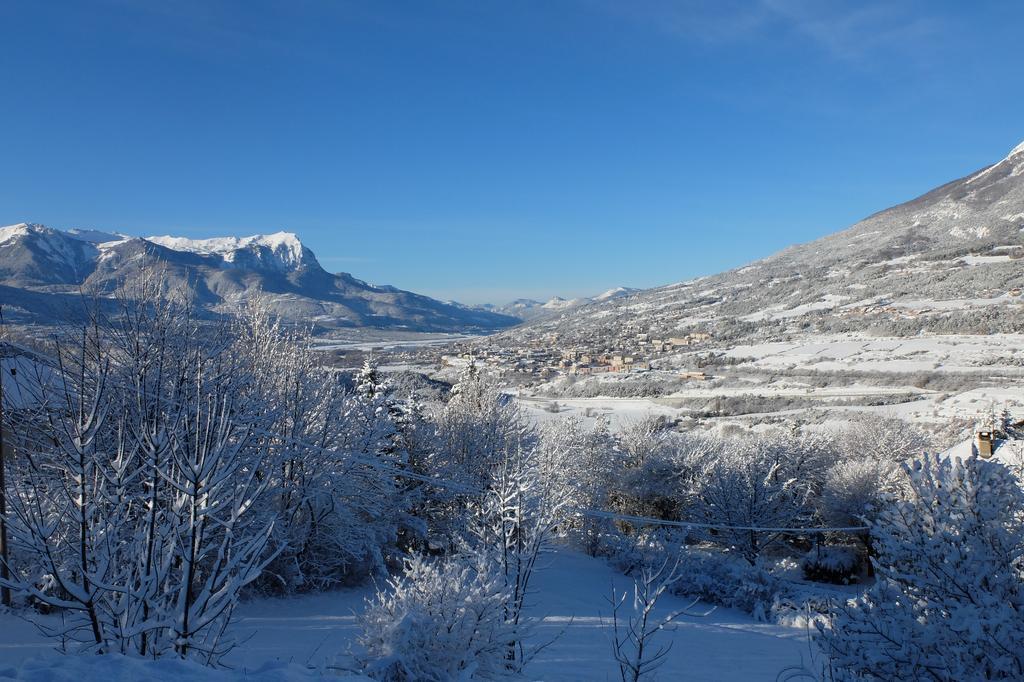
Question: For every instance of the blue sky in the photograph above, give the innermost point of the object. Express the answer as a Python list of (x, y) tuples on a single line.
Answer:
[(484, 150)]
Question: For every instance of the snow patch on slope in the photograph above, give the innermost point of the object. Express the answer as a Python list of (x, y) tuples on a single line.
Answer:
[(617, 292), (11, 231)]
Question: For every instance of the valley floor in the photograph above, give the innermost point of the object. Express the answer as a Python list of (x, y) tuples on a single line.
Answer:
[(318, 631)]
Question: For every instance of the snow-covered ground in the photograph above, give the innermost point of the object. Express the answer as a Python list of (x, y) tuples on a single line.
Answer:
[(838, 352), (619, 412), (288, 638), (407, 340)]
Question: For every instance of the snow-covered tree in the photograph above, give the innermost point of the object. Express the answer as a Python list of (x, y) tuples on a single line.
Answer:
[(883, 438), (333, 485), (854, 492), (476, 431), (664, 486), (580, 463), (854, 489), (138, 512), (440, 620), (516, 520), (949, 600), (641, 439), (748, 485), (478, 426)]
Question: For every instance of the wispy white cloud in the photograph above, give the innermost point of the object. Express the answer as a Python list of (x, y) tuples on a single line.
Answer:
[(856, 31), (846, 31)]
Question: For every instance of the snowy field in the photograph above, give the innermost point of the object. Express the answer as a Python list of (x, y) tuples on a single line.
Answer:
[(314, 635), (901, 377), (394, 341), (838, 352), (619, 412)]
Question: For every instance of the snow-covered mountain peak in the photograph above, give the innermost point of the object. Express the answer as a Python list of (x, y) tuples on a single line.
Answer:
[(615, 293), (11, 231), (559, 303), (42, 231), (40, 253), (20, 230), (281, 250), (1019, 149)]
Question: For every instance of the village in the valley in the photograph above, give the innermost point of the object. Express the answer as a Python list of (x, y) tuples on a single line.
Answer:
[(547, 358)]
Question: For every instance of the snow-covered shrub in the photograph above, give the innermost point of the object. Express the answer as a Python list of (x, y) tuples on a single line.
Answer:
[(949, 601), (883, 438), (726, 580), (662, 484), (439, 621), (836, 564), (854, 489)]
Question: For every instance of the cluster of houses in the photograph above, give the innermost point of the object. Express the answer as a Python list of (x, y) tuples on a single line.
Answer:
[(673, 342), (547, 357), (580, 362), (540, 362)]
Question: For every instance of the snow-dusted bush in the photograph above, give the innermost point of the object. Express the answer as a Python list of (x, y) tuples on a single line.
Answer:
[(854, 489), (949, 601), (723, 579), (439, 621), (837, 564), (712, 576), (883, 438), (663, 483)]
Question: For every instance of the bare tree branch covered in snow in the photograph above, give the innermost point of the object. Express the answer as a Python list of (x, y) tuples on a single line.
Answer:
[(633, 635)]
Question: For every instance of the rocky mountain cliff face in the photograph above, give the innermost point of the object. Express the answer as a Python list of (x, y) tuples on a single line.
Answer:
[(43, 269), (948, 260)]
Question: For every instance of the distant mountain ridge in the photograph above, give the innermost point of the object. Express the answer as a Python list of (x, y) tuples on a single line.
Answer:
[(41, 267), (531, 309)]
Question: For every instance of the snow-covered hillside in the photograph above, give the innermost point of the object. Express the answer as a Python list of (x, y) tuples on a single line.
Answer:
[(530, 309), (919, 265)]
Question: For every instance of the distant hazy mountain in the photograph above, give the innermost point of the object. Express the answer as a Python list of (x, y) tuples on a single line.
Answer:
[(42, 269), (950, 257), (530, 309)]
